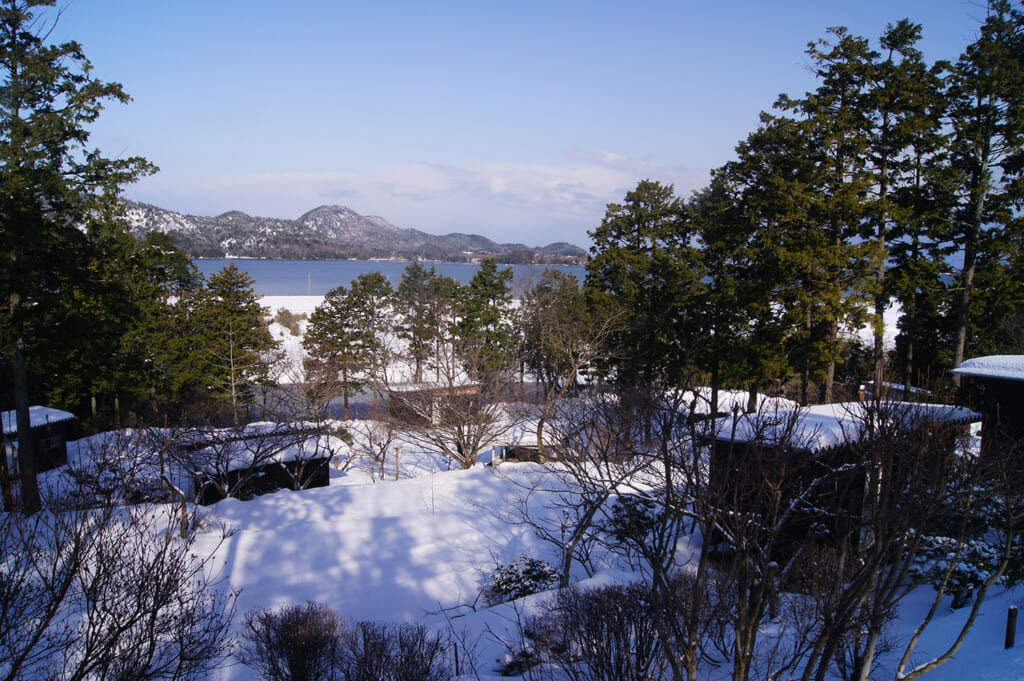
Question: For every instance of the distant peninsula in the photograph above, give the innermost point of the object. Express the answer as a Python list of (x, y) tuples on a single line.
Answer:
[(328, 233)]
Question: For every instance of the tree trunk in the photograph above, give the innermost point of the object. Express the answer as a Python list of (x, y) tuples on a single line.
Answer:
[(26, 455), (805, 369), (979, 189)]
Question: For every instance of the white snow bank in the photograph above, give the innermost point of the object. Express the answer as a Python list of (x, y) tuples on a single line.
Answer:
[(295, 304)]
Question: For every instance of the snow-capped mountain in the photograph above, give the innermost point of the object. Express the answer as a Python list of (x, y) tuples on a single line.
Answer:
[(327, 232)]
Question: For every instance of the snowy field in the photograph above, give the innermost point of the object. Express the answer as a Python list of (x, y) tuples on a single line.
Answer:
[(418, 549)]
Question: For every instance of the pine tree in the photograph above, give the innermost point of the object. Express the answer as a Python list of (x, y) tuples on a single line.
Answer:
[(372, 298), (346, 334), (904, 109), (986, 114), (232, 337), (644, 263), (485, 333), (50, 182), (417, 325), (836, 264)]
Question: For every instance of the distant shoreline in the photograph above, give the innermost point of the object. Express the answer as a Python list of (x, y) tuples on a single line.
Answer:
[(280, 277)]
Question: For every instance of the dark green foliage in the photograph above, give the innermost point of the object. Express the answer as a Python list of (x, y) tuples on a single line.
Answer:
[(51, 186), (644, 263), (985, 90), (560, 332), (230, 339), (519, 578), (347, 332), (485, 335), (417, 302), (334, 344)]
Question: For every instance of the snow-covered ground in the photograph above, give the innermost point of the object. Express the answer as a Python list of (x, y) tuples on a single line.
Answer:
[(419, 549)]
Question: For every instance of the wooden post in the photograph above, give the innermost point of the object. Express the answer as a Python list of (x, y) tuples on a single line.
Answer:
[(1011, 627)]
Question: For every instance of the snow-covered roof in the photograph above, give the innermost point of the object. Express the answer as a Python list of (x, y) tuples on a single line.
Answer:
[(1007, 367), (825, 426), (259, 444), (38, 416)]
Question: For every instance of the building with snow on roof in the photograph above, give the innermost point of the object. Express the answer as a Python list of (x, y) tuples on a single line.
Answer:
[(1001, 378), (813, 465), (51, 430)]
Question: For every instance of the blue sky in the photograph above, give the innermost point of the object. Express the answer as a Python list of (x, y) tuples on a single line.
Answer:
[(517, 120)]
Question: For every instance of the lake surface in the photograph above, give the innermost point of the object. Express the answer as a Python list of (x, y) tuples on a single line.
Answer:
[(317, 277)]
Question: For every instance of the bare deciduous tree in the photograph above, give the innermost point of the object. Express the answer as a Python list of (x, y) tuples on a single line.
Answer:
[(104, 590), (456, 416)]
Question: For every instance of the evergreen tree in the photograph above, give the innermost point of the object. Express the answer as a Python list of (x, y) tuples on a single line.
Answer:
[(165, 283), (747, 325), (372, 298), (417, 323), (986, 115), (346, 334), (644, 263), (485, 333), (905, 109), (835, 263), (555, 324), (232, 337), (50, 185)]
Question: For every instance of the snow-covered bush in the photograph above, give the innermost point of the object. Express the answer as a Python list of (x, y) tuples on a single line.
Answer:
[(967, 568), (520, 578)]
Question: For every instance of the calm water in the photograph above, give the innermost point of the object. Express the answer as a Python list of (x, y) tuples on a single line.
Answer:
[(317, 277)]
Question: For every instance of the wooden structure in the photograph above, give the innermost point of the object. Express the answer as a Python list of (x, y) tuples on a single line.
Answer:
[(51, 431), (264, 479), (425, 404), (809, 461), (1001, 378), (232, 462)]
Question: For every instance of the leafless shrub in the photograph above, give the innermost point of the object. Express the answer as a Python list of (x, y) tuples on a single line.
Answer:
[(403, 652), (290, 320), (600, 634), (294, 643), (108, 592), (375, 442), (311, 642)]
